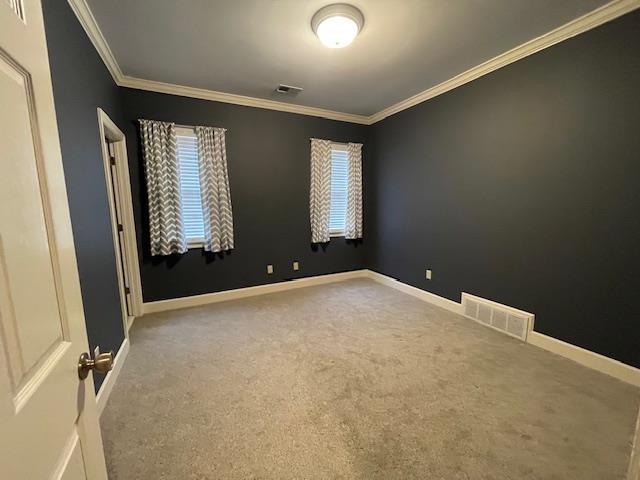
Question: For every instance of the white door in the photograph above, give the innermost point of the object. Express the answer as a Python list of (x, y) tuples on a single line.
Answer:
[(113, 189), (48, 421)]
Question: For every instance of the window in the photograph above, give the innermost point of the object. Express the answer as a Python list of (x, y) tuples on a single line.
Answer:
[(339, 184), (190, 186)]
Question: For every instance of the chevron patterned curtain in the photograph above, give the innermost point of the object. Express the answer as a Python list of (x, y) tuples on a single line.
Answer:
[(320, 193), (160, 157), (353, 222), (214, 188)]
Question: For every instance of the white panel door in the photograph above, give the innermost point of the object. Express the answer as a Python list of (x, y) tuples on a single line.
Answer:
[(48, 421)]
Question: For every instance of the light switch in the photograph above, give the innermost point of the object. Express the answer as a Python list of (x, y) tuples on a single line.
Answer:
[(269, 269), (296, 266), (428, 274)]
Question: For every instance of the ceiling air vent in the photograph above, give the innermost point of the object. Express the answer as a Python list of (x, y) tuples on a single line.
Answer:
[(497, 316), (288, 89)]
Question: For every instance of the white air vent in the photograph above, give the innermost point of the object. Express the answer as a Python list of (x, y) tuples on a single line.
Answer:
[(288, 89), (511, 321)]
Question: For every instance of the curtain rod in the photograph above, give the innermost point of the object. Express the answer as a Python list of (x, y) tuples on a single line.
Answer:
[(179, 125), (333, 141)]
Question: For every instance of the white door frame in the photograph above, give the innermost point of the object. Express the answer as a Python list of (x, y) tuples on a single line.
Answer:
[(634, 463), (110, 131)]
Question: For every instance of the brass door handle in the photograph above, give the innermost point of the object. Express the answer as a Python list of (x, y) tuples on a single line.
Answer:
[(102, 364)]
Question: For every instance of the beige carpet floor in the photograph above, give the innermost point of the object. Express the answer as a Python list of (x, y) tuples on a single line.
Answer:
[(355, 380)]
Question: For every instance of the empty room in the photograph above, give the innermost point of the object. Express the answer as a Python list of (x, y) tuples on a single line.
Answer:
[(296, 239)]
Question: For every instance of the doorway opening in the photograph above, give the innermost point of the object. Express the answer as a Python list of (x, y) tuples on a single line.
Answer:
[(116, 172)]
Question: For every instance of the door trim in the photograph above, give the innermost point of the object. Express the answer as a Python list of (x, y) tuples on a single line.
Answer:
[(108, 129), (112, 377), (634, 462)]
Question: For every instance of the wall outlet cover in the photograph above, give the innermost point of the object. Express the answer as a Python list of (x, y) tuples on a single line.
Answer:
[(428, 275), (296, 266), (269, 269)]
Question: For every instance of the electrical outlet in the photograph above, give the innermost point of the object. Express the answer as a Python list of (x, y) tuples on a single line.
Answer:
[(269, 269), (428, 275), (96, 352), (296, 266)]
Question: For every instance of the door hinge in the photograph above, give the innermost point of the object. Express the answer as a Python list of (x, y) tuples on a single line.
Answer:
[(112, 160), (127, 290), (120, 227)]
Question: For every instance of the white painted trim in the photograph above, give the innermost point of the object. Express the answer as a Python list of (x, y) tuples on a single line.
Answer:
[(634, 462), (112, 376), (204, 94), (595, 18), (88, 22), (585, 357), (186, 132), (432, 298), (207, 298), (91, 27), (115, 235), (108, 129)]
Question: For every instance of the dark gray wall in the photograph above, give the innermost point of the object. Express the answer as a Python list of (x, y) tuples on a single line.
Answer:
[(268, 160), (521, 187), (81, 83), (524, 187)]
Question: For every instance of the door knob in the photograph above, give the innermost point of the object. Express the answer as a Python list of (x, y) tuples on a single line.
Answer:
[(102, 364)]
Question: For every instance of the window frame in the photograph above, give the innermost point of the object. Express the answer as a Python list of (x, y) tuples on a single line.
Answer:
[(343, 147), (193, 242)]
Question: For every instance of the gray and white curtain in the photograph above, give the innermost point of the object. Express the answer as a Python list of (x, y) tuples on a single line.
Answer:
[(353, 222), (320, 192), (214, 187), (160, 156)]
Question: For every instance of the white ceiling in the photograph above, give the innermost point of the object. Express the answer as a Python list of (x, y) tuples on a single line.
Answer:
[(248, 47)]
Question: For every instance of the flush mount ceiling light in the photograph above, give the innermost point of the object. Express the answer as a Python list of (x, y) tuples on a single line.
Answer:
[(337, 25)]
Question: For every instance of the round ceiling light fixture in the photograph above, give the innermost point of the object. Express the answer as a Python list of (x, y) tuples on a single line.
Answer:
[(337, 25)]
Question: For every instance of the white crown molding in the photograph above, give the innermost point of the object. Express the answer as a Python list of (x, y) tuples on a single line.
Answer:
[(204, 94), (595, 18), (605, 13), (88, 22)]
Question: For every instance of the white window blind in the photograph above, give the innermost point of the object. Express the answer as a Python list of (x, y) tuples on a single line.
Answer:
[(339, 183), (190, 186)]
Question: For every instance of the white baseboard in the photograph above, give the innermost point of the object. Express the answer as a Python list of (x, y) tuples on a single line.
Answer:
[(585, 357), (582, 356), (416, 292), (112, 376), (197, 300), (130, 320), (634, 464)]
